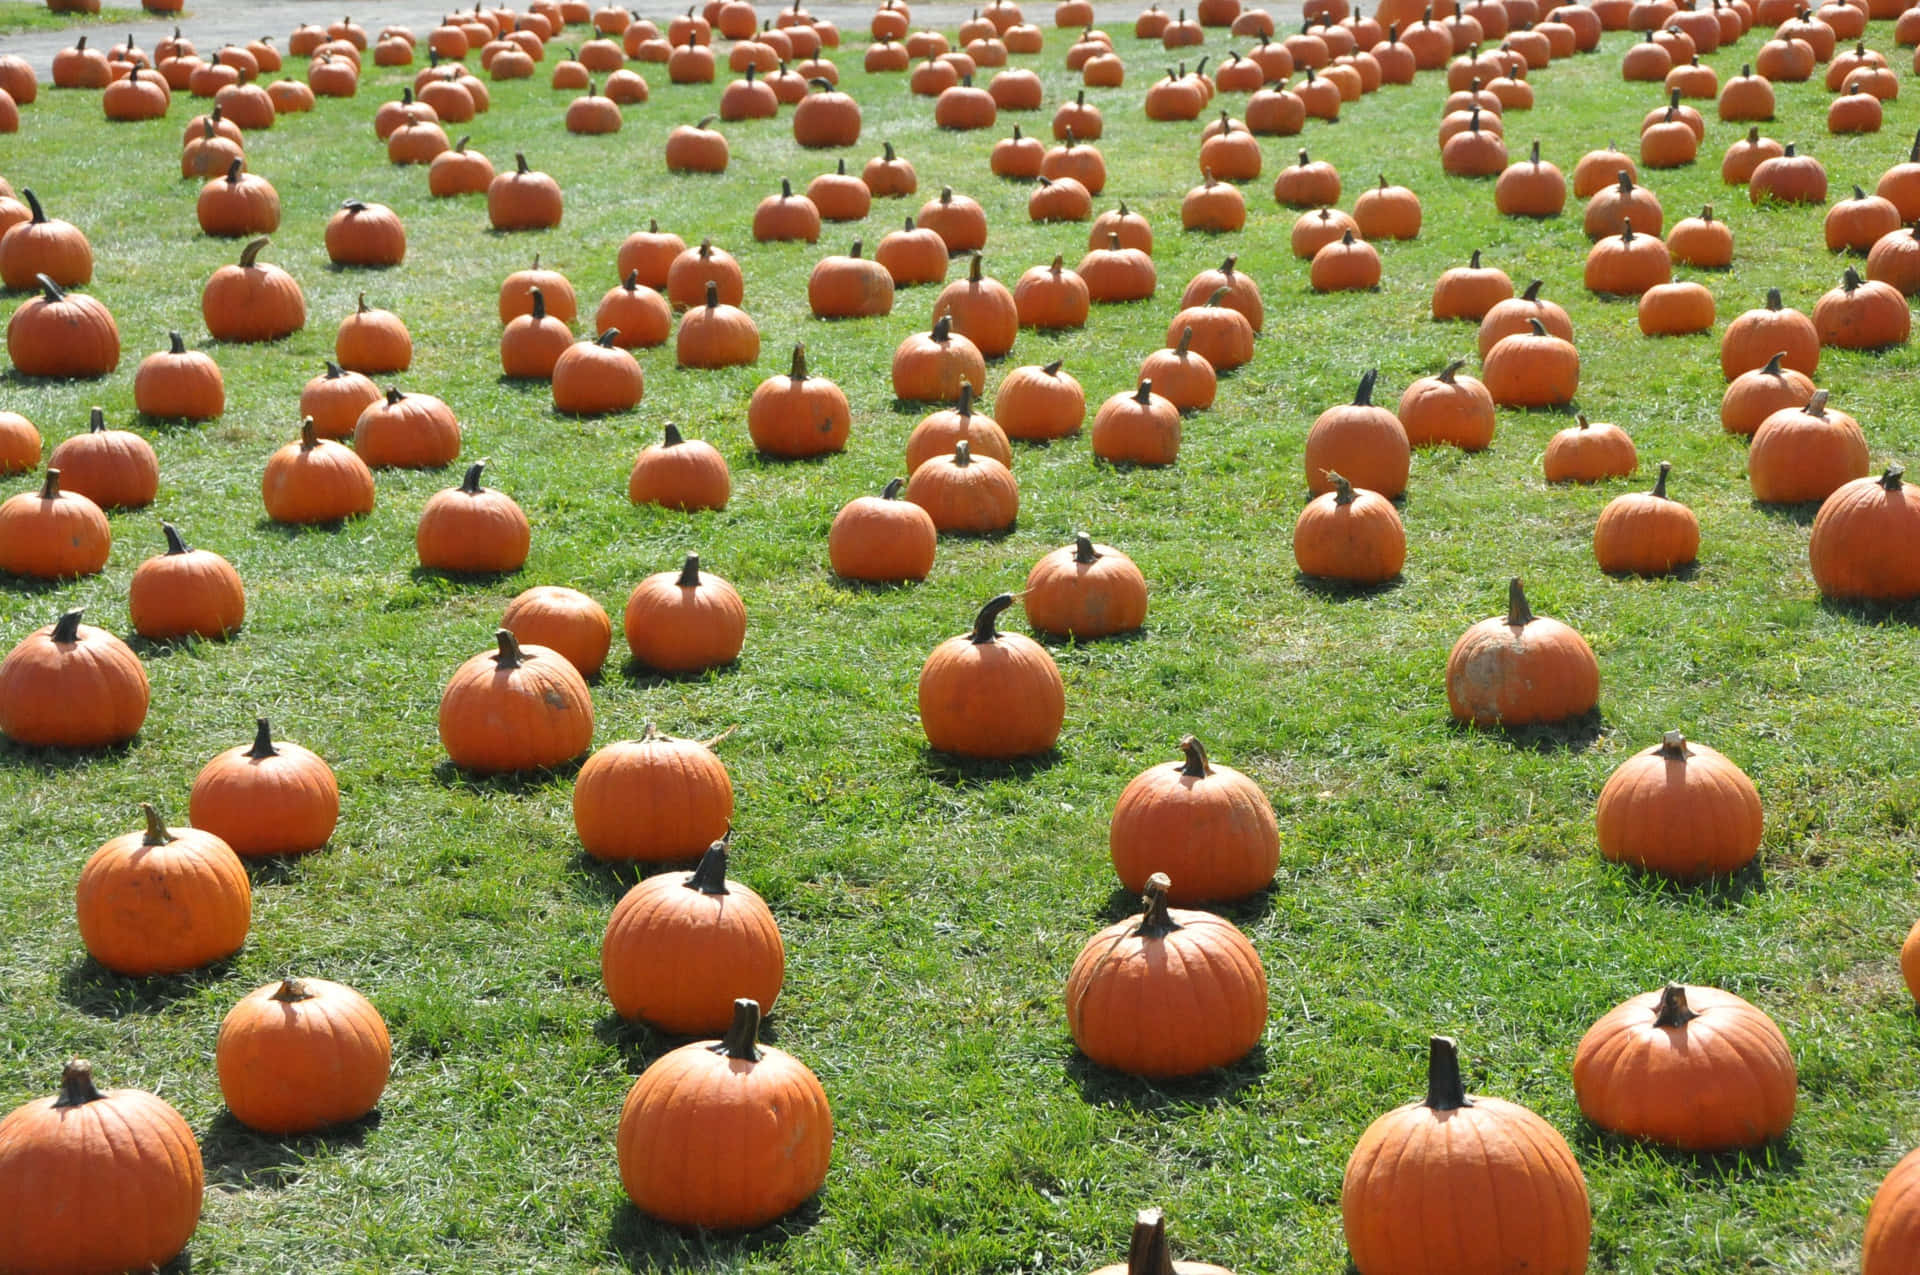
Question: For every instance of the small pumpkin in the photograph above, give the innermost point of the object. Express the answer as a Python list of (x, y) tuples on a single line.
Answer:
[(1180, 375), (1646, 535), (685, 621), (533, 342), (19, 445), (556, 292), (934, 365), (239, 203), (1448, 409), (316, 480), (679, 473), (1520, 669), (1757, 335), (163, 901), (1139, 428), (364, 234), (716, 335), (562, 619), (185, 592), (373, 341), (515, 709), (524, 199), (1862, 314), (43, 245), (991, 696), (1535, 369), (1349, 534), (882, 539), (1753, 396), (266, 798), (1680, 809), (638, 315), (470, 528), (1470, 291), (593, 377)]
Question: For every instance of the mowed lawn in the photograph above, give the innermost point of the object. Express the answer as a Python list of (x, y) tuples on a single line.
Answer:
[(1432, 879)]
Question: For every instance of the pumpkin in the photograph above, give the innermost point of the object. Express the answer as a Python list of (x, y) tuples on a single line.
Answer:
[(124, 1160), (1745, 155), (515, 709), (826, 117), (1059, 199), (638, 315), (1470, 291), (1181, 376), (958, 220), (302, 1054), (1862, 542), (1530, 188), (1038, 403), (656, 799), (650, 253), (532, 343), (1753, 396), (1085, 591), (1702, 242), (517, 289), (981, 310), (472, 529), (1646, 535), (1534, 369), (459, 171), (1484, 1181), (1511, 316), (1802, 454), (1588, 451), (162, 901), (939, 432), (716, 335), (726, 1134), (1862, 314), (1167, 992), (1349, 534), (70, 685), (1138, 427), (1675, 309), (912, 255), (179, 384), (62, 335), (695, 268), (798, 415), (363, 234), (407, 431), (240, 203), (1757, 335), (718, 933), (266, 798), (564, 620), (1209, 822), (1242, 291), (1448, 409), (1893, 1222), (889, 176), (373, 341), (786, 217), (840, 197), (252, 301), (114, 468), (315, 480), (1314, 230), (1627, 264), (1148, 1254), (685, 621), (991, 696), (1116, 273), (1051, 298), (185, 592), (1130, 227), (1350, 265), (1310, 183), (1894, 260), (1788, 178), (1222, 334), (679, 474), (597, 376), (43, 245), (933, 366), (19, 444), (1521, 670), (523, 199), (1856, 224), (1680, 809), (1017, 157), (882, 539), (1364, 442)]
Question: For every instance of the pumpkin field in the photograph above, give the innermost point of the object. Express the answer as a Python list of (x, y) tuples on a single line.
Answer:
[(1087, 649)]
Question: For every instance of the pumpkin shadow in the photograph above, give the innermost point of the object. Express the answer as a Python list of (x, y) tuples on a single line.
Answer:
[(642, 677), (610, 879), (967, 772), (165, 648), (182, 1264), (640, 1045), (1721, 892), (1905, 614), (295, 530), (14, 376), (449, 775), (1694, 1168), (1067, 644), (844, 585), (240, 1158), (274, 869), (482, 579), (98, 992), (1123, 903), (1222, 1085), (1344, 590), (30, 584), (642, 1243), (1575, 735), (983, 537), (1800, 515), (49, 761)]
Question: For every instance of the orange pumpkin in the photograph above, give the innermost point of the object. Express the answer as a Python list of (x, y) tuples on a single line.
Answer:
[(1757, 335), (1350, 534), (162, 901), (655, 799), (1448, 409), (1148, 1253), (679, 473), (407, 431), (684, 621), (185, 592), (1519, 669), (252, 301), (882, 539), (51, 534), (1646, 535), (991, 696), (115, 468), (1209, 823), (1364, 442), (1085, 591), (69, 685), (1801, 454), (302, 1054), (315, 480), (179, 384), (1680, 809), (266, 798), (515, 709), (1863, 537), (564, 620), (1893, 1222), (470, 528)]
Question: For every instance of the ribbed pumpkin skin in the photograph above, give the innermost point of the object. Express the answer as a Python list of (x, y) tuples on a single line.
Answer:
[(1892, 1243), (1365, 444), (114, 468), (677, 956), (1722, 1079), (1647, 534), (1085, 592), (53, 535), (1157, 1002), (684, 621), (1866, 541), (1484, 1189), (497, 717), (565, 619), (1679, 808), (882, 539), (655, 800), (470, 528), (721, 1142), (266, 798), (302, 1054), (1353, 535), (176, 904), (98, 1187), (87, 692), (994, 699), (1213, 833), (1506, 674), (185, 591), (316, 480)]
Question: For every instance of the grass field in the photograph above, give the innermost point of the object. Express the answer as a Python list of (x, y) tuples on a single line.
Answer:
[(1431, 879), (16, 17)]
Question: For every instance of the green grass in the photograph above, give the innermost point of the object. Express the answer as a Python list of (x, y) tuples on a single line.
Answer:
[(1431, 879), (18, 17)]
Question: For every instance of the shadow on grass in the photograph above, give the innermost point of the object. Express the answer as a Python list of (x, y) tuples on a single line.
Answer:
[(93, 989), (644, 677), (165, 648), (983, 537), (967, 772), (240, 1158), (51, 761), (1695, 1169), (1685, 571), (1714, 892), (1222, 1085), (1344, 590), (645, 1244), (1905, 614), (1800, 515), (1062, 641), (840, 582), (14, 376), (1123, 903), (515, 782), (167, 424), (610, 878), (295, 530), (1575, 735), (275, 869), (480, 579), (640, 1044), (32, 584)]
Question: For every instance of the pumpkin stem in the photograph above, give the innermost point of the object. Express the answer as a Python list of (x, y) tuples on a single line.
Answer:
[(1186, 339), (96, 421), (1519, 614), (33, 203), (713, 295), (1196, 766), (962, 454), (1445, 1090), (1660, 483), (606, 339), (309, 437), (670, 435), (508, 656), (1155, 922), (973, 271), (786, 189), (1625, 181), (460, 147), (76, 1085), (520, 162), (1773, 298), (1342, 489), (742, 1041), (893, 488), (1147, 1251), (1673, 1010), (1059, 264), (156, 833), (471, 483), (1053, 368), (291, 990), (799, 370), (1363, 397), (710, 877), (886, 151), (49, 290), (1850, 280), (175, 545), (1532, 292), (1535, 326), (539, 303), (50, 485), (1891, 479), (1083, 551), (262, 741), (251, 253), (1144, 394), (1858, 194), (965, 409), (942, 329), (983, 631), (690, 572), (1473, 261), (175, 343), (1452, 369), (234, 169), (1817, 405), (67, 627)]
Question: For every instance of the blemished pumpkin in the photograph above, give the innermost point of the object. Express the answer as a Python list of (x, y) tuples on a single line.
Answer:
[(472, 529), (1693, 1068), (70, 685), (185, 592), (1648, 534), (991, 696), (1864, 538), (1085, 591), (123, 1159), (515, 709), (1483, 1180), (1350, 534), (51, 534), (302, 1054), (1364, 442), (882, 539), (725, 1134), (1801, 454), (717, 933), (266, 798), (1680, 809), (1208, 828), (656, 799), (686, 620), (163, 900), (1167, 992), (1520, 669), (1149, 1254)]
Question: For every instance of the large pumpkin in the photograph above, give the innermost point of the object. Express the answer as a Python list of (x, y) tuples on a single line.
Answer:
[(1866, 540), (718, 935), (1208, 828), (989, 695), (301, 1054), (70, 685), (1085, 591), (1459, 1183), (1689, 1067), (655, 799), (725, 1134), (97, 1183), (686, 620), (266, 798), (163, 900), (1681, 809), (1167, 992), (798, 415), (515, 708), (1806, 453), (1520, 669), (185, 592)]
